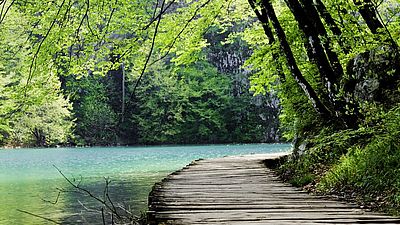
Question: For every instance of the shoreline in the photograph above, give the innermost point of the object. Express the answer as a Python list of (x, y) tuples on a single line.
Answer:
[(138, 146)]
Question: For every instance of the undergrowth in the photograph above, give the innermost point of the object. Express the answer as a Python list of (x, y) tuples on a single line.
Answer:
[(361, 165)]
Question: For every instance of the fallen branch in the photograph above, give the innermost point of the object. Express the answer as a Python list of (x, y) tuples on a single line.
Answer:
[(38, 216)]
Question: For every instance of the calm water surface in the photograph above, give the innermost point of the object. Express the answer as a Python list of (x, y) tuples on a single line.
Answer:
[(29, 181)]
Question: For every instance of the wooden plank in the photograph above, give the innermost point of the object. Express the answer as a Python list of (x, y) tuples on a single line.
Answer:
[(250, 215), (240, 190), (254, 208), (264, 204)]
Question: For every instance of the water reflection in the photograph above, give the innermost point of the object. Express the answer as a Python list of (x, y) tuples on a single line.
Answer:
[(72, 206), (86, 210), (28, 196)]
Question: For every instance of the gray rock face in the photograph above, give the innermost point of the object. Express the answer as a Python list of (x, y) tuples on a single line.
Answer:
[(229, 59), (367, 89), (373, 75), (300, 145)]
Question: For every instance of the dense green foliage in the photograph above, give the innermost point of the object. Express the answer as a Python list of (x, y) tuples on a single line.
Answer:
[(126, 72), (194, 103), (34, 114)]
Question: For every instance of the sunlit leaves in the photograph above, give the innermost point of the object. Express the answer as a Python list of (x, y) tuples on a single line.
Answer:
[(30, 100)]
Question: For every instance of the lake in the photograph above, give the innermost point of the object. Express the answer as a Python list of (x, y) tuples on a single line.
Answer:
[(30, 182)]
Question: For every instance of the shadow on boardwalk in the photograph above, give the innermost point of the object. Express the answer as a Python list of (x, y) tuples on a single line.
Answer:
[(241, 190)]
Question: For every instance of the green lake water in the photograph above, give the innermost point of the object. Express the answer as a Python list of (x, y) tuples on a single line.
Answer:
[(29, 182)]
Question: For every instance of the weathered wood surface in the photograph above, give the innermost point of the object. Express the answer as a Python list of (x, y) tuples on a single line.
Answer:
[(241, 190)]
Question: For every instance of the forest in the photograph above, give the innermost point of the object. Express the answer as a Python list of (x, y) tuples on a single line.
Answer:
[(322, 74), (67, 80)]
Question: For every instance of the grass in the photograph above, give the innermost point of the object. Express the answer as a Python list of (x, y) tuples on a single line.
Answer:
[(362, 165)]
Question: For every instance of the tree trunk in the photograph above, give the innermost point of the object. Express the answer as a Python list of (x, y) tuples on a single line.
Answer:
[(315, 19), (324, 13), (40, 139), (313, 44), (264, 21), (322, 55), (123, 93), (367, 11), (263, 18), (295, 71)]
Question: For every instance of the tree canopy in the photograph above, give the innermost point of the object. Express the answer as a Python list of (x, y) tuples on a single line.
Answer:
[(158, 70), (127, 72)]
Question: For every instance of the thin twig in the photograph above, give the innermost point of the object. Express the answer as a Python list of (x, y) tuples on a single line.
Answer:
[(108, 196), (149, 55), (85, 15), (87, 208), (391, 39), (88, 22), (3, 3), (102, 216), (66, 14), (3, 16), (38, 216), (162, 12), (100, 42), (172, 44), (40, 46), (54, 202), (90, 194), (147, 26)]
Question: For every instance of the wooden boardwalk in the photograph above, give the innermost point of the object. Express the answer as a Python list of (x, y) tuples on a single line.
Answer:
[(241, 190)]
